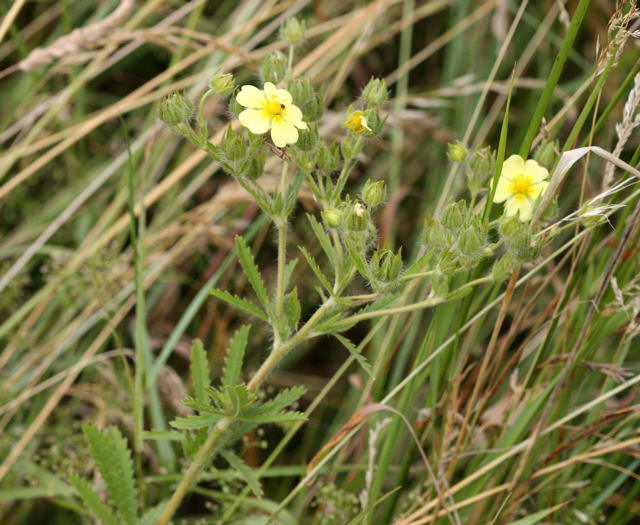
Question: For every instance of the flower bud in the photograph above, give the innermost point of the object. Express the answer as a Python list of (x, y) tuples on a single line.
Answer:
[(357, 217), (480, 167), (454, 215), (274, 67), (386, 265), (374, 193), (332, 217), (222, 83), (511, 227), (350, 147), (440, 285), (328, 158), (234, 107), (292, 30), (307, 139), (375, 92), (545, 153), (456, 151), (470, 242), (503, 268), (436, 238), (307, 99), (253, 167), (523, 246), (175, 108), (234, 145)]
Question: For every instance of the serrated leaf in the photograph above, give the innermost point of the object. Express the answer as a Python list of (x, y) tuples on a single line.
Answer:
[(235, 356), (152, 516), (288, 271), (244, 470), (418, 265), (292, 192), (274, 417), (199, 371), (113, 459), (162, 435), (251, 270), (206, 407), (293, 310), (93, 502), (236, 301), (355, 352), (194, 422), (324, 280), (324, 239), (192, 442), (358, 260), (284, 399)]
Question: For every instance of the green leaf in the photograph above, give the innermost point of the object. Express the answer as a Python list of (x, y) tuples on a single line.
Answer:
[(253, 273), (194, 422), (93, 502), (235, 356), (199, 371), (113, 459), (288, 271), (323, 237), (273, 417), (162, 435), (358, 260), (236, 301), (324, 280), (293, 310), (284, 399), (152, 516), (245, 471), (355, 352), (536, 517)]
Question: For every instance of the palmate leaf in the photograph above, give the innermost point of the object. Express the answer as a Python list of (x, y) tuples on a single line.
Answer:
[(355, 352), (244, 470), (236, 301), (199, 371), (251, 270), (93, 502), (235, 357), (113, 459)]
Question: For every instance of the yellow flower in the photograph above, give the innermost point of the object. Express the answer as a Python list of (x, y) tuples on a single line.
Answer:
[(270, 109), (520, 184), (357, 122)]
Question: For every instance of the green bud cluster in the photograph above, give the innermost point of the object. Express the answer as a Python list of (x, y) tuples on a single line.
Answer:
[(375, 92), (480, 168), (518, 239), (385, 267), (307, 99), (292, 30), (357, 217), (374, 193), (175, 109), (332, 217), (273, 68), (546, 153), (457, 152), (222, 84)]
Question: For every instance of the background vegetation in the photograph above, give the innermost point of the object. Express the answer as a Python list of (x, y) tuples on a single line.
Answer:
[(523, 395)]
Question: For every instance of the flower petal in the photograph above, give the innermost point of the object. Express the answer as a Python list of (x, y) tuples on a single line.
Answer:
[(518, 205), (283, 133), (503, 191), (535, 171), (293, 115), (257, 120), (250, 97), (512, 167), (282, 96), (538, 189)]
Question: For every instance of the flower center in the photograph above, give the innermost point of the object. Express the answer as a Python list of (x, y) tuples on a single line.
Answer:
[(521, 186), (274, 107)]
